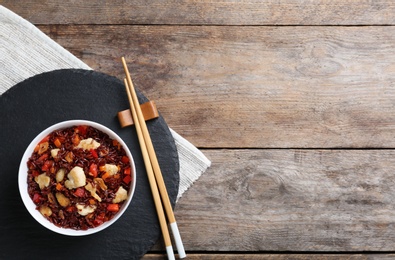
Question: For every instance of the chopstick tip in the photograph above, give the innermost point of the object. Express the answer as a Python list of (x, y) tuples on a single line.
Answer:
[(123, 60)]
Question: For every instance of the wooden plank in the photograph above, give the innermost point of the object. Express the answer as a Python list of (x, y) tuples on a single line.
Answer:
[(256, 256), (270, 87), (205, 12), (291, 200)]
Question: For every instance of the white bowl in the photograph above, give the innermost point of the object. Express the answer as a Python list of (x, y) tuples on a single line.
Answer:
[(23, 186)]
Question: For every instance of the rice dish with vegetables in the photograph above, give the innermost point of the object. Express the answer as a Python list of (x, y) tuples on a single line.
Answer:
[(78, 177)]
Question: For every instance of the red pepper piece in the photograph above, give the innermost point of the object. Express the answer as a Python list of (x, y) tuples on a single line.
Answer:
[(113, 207), (79, 192), (42, 157), (36, 198), (47, 165), (70, 209), (99, 219), (127, 171), (97, 222), (35, 173), (125, 159), (127, 179), (45, 139), (93, 170), (82, 129), (94, 153)]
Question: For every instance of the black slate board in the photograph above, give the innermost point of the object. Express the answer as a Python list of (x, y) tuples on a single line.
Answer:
[(38, 102)]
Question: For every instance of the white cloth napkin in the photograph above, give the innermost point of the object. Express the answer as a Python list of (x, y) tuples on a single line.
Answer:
[(25, 51)]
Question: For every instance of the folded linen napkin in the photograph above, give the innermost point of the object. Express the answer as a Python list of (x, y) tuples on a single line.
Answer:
[(25, 51)]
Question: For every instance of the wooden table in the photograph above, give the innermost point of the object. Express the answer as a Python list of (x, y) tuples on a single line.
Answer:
[(292, 101)]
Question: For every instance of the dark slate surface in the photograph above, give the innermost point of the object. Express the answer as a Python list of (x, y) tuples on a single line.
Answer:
[(43, 100)]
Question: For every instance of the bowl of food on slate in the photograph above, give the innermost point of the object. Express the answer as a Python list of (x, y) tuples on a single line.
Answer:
[(77, 177)]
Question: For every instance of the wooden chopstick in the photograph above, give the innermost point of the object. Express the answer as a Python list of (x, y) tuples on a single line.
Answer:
[(155, 164), (154, 161), (151, 178)]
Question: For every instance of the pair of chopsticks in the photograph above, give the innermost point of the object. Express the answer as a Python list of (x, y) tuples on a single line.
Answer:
[(154, 173)]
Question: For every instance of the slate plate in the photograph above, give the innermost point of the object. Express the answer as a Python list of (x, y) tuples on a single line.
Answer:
[(38, 102)]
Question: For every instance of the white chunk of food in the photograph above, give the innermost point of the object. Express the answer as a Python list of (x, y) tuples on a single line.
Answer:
[(62, 199), (88, 144), (54, 152), (76, 179), (92, 190), (42, 180), (84, 210), (45, 211), (60, 174), (120, 195), (111, 169), (100, 182)]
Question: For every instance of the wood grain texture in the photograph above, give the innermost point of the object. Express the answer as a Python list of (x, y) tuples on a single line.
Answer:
[(255, 87), (292, 200), (206, 12), (264, 256)]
